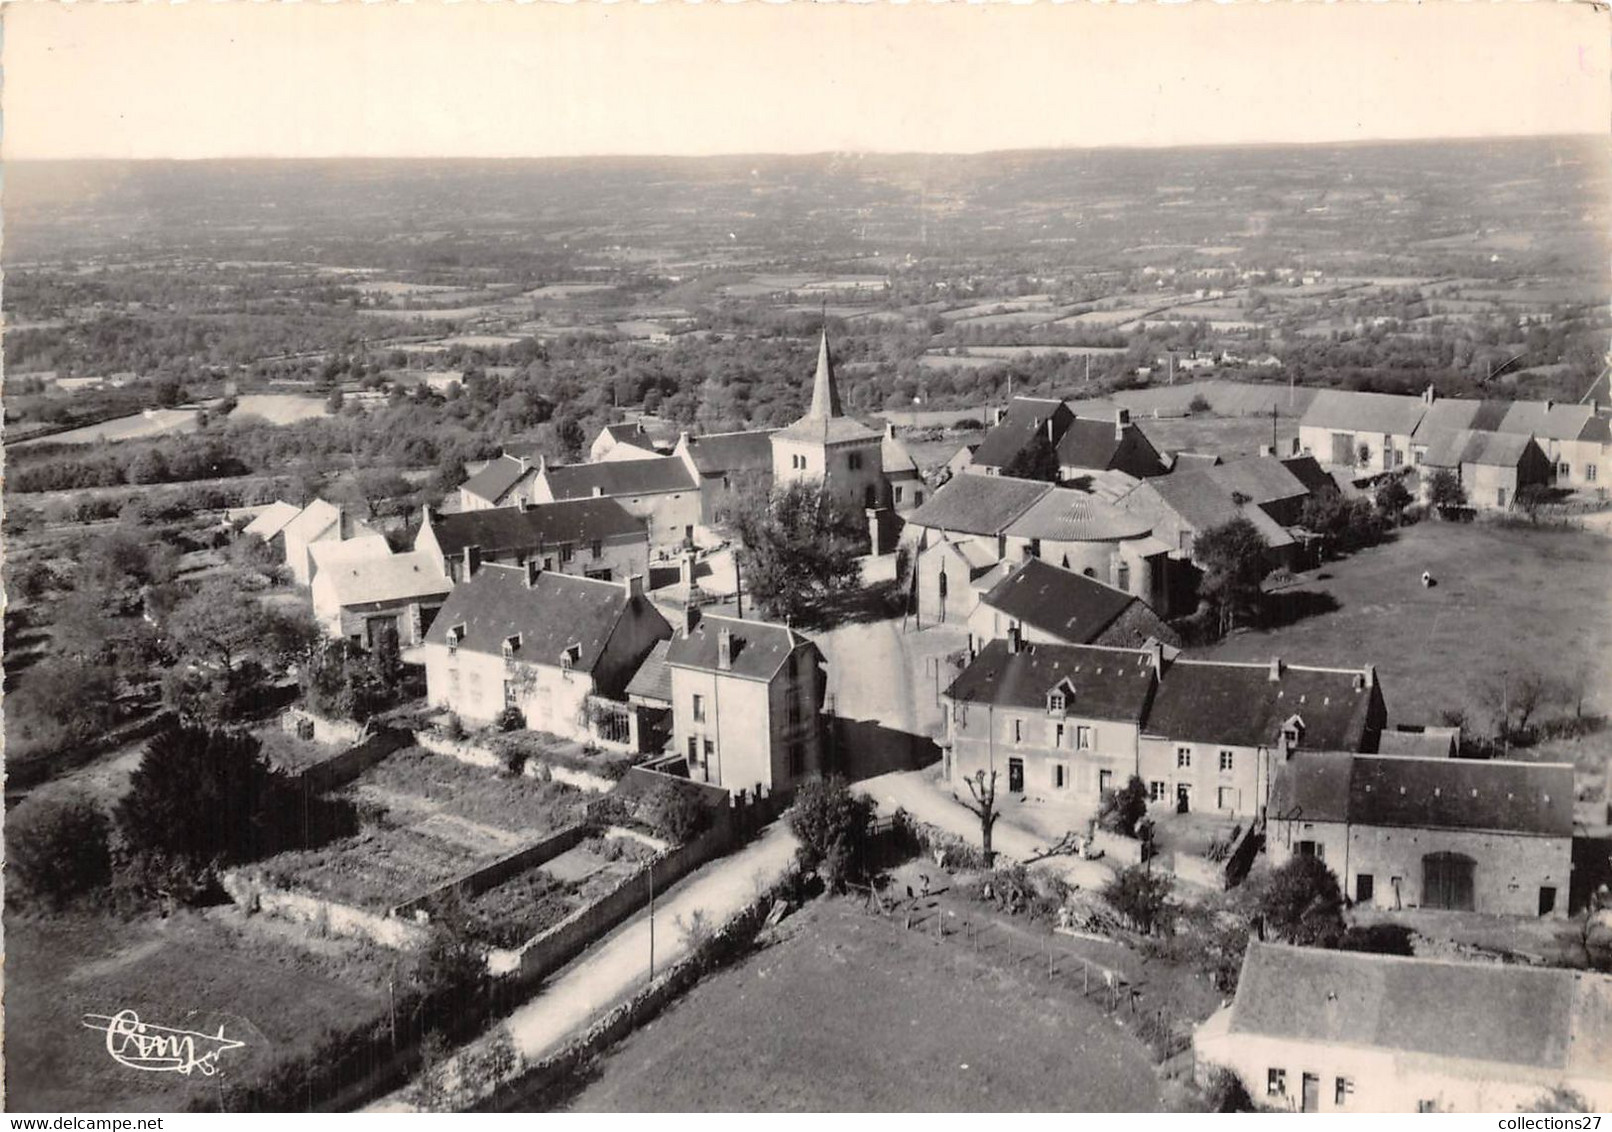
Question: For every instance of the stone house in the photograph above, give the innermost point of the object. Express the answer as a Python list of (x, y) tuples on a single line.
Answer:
[(502, 482), (400, 593), (727, 465), (595, 538), (661, 491), (1048, 605), (319, 521), (1492, 467), (1341, 425)]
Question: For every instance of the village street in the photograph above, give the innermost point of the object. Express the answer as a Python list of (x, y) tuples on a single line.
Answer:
[(618, 966)]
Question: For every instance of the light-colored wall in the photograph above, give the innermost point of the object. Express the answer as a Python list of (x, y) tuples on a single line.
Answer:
[(1510, 869), (297, 557), (622, 555), (1317, 442), (981, 738), (831, 466), (1579, 456), (961, 597), (471, 684), (1384, 1080), (1247, 781), (748, 721)]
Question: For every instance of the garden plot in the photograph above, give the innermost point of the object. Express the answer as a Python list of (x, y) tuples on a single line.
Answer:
[(534, 901)]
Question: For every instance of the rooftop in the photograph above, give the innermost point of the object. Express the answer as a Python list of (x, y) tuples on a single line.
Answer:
[(312, 521), (1364, 412), (978, 504), (1103, 683), (653, 680), (272, 519), (619, 477), (825, 422), (1062, 603), (495, 529), (1242, 705), (332, 552), (399, 577), (1450, 449), (494, 481), (721, 452), (1025, 417), (759, 648), (1066, 515)]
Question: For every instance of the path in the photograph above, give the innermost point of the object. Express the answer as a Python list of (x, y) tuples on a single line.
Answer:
[(617, 967), (917, 793)]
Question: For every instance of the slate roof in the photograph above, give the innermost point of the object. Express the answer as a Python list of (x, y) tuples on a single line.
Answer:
[(653, 680), (978, 504), (1240, 705), (1025, 417), (1505, 1014), (1466, 446), (1194, 461), (553, 613), (1070, 606), (577, 521), (1449, 413), (619, 477), (1312, 786), (1433, 744), (1099, 446), (312, 521), (272, 519), (1108, 683), (1066, 515), (760, 648), (1508, 797), (494, 481), (398, 577), (725, 452), (1308, 471), (1261, 478), (1203, 502), (828, 430), (894, 457), (1364, 412)]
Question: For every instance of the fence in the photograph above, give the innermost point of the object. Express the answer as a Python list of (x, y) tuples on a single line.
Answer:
[(306, 725), (340, 769), (251, 893)]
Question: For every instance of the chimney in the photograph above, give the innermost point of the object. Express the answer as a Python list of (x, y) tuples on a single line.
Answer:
[(997, 414), (635, 586), (534, 567), (598, 491), (472, 561), (724, 650), (1266, 450), (1013, 641), (526, 505), (685, 571), (1049, 430), (1370, 677), (1429, 395), (890, 430), (1155, 656), (1276, 669), (524, 462), (691, 618), (1122, 421)]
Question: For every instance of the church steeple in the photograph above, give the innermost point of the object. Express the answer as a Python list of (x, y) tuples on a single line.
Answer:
[(825, 394)]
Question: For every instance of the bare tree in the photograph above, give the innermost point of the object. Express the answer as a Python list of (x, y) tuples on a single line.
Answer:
[(982, 789)]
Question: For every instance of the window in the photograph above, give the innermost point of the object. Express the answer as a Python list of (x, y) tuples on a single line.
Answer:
[(917, 498), (1057, 734), (1227, 758), (565, 552), (699, 708), (1365, 886), (1589, 473), (1227, 798), (1499, 497), (693, 751), (1183, 757), (1276, 1083), (1055, 703), (1427, 1106), (1105, 781), (897, 489), (854, 461), (1018, 730), (548, 562), (510, 693), (710, 749), (1060, 776), (1311, 849), (1122, 577), (1083, 738), (1564, 470), (1155, 791), (598, 548), (1341, 1091)]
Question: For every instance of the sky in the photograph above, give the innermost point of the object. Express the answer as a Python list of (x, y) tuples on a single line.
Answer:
[(234, 79)]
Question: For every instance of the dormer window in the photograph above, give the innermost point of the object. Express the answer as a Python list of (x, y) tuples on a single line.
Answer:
[(512, 645), (1060, 697), (456, 635), (1055, 703), (569, 657)]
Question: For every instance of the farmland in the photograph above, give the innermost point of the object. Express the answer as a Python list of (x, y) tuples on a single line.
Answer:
[(850, 1013)]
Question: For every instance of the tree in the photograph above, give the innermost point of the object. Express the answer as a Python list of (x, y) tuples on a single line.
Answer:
[(1141, 896), (676, 814), (1380, 939), (1037, 460), (1392, 498), (1363, 456), (1302, 903), (831, 824), (57, 849), (1225, 1092), (800, 548), (1514, 697), (982, 792), (342, 681), (333, 403), (1232, 556), (1122, 809), (1444, 489)]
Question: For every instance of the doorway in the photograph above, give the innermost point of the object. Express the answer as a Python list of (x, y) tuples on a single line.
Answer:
[(1447, 881), (1183, 798), (1311, 1097), (1547, 899), (1015, 776)]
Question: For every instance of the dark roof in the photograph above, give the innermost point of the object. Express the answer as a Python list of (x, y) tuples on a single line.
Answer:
[(1101, 445), (653, 680), (1069, 606), (978, 504), (1490, 416), (1025, 417), (553, 613), (1203, 502), (1465, 446), (1308, 471), (496, 529), (1498, 1013), (620, 477), (759, 647), (1108, 683), (1261, 478), (495, 480), (1510, 797), (1312, 786), (1240, 705), (723, 452)]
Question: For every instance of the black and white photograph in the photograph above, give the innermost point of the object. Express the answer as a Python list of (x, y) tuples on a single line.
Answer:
[(686, 557)]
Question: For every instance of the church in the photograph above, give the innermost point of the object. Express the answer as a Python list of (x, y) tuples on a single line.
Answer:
[(831, 448)]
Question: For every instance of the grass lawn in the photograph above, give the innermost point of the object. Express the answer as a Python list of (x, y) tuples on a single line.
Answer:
[(1506, 600), (849, 1012), (190, 971)]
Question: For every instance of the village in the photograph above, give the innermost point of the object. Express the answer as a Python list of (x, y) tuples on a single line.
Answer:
[(596, 727)]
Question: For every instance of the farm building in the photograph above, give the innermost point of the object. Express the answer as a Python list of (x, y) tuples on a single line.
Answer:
[(1080, 441), (1468, 835), (1491, 466), (332, 553), (1048, 605), (318, 522), (630, 441), (399, 593), (503, 482), (596, 538), (1370, 432), (1315, 1030), (661, 491)]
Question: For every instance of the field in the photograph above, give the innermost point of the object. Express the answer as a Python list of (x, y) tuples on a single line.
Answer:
[(850, 1013), (280, 408), (140, 426), (192, 971), (1507, 599)]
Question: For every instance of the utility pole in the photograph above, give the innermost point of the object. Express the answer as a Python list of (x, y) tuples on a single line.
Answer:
[(1274, 451), (738, 585), (651, 871)]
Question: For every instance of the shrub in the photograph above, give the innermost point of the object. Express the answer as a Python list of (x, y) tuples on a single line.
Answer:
[(57, 850), (1142, 897), (1017, 891), (832, 825), (511, 719), (675, 814), (1199, 404), (1383, 939), (1302, 903), (1122, 809), (1225, 1092), (454, 728), (515, 757)]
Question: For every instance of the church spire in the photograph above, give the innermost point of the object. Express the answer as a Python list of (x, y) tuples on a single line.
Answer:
[(825, 394)]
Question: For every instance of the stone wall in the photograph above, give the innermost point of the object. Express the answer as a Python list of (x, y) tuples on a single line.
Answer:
[(252, 894), (497, 872)]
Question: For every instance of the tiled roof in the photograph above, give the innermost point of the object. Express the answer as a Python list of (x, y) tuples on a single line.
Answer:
[(759, 647), (1466, 446), (828, 430), (1492, 795), (495, 529), (1447, 414), (1240, 705), (653, 680), (1262, 479), (1025, 417), (272, 519), (1364, 412), (552, 614), (1308, 471), (1066, 515), (334, 552), (312, 521), (399, 577), (1504, 1014), (1108, 683), (1311, 786), (895, 458), (978, 504), (1203, 502), (1194, 461), (494, 481), (619, 477), (1549, 420), (723, 452), (1099, 445), (1067, 605)]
